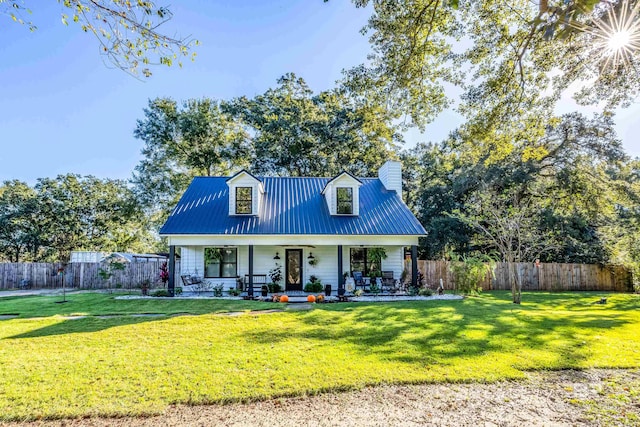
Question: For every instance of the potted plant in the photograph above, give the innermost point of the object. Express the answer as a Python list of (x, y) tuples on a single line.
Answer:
[(275, 274)]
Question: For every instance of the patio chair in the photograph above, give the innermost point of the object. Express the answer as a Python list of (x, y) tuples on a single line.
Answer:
[(388, 282), (358, 280)]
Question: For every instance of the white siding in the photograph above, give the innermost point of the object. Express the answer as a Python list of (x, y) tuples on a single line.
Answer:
[(328, 197), (390, 174), (192, 262)]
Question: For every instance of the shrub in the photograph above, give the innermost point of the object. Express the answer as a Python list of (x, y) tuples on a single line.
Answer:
[(313, 287), (217, 290), (178, 290), (160, 293), (274, 288), (425, 292), (234, 292), (374, 288), (469, 272)]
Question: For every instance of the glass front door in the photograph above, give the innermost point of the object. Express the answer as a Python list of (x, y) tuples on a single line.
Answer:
[(294, 270)]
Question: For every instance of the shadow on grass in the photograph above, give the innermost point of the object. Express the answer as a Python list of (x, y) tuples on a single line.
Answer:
[(436, 331), (124, 311), (85, 325)]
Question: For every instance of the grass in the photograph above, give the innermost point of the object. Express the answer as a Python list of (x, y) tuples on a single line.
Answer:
[(102, 304), (52, 367)]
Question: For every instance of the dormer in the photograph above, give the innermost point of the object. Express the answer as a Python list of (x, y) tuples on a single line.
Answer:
[(245, 194), (342, 195)]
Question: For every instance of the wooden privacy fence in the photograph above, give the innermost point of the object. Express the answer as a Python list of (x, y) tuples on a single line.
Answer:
[(82, 275), (546, 277)]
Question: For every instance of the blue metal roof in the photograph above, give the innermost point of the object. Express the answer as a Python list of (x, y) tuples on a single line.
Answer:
[(290, 206)]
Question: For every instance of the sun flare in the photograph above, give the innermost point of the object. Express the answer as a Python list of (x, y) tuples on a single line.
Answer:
[(616, 33), (619, 40)]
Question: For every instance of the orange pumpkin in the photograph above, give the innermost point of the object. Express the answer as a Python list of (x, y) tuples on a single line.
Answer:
[(320, 298), (311, 298), (284, 298)]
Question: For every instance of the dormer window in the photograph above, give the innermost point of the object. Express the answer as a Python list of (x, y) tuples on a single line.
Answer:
[(245, 194), (244, 200), (345, 200), (342, 195)]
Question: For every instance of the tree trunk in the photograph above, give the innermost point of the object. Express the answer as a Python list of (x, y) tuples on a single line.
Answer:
[(516, 286)]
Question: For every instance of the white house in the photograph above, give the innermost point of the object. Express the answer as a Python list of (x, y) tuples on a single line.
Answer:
[(243, 226)]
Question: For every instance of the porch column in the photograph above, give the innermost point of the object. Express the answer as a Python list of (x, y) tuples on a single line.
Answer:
[(340, 273), (171, 287), (250, 291), (414, 266)]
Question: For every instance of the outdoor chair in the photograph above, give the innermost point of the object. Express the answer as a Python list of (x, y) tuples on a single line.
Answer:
[(388, 282), (358, 280)]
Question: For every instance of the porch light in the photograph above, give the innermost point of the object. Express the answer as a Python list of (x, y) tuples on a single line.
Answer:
[(277, 256), (311, 256)]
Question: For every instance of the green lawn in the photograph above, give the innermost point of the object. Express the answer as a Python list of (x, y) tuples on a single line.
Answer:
[(53, 367)]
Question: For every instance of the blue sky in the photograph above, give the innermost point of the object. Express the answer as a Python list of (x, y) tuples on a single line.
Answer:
[(62, 110)]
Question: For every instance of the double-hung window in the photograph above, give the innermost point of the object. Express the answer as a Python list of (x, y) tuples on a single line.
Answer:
[(345, 200), (244, 200)]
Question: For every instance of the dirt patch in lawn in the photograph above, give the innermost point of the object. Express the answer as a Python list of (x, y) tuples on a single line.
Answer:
[(563, 398)]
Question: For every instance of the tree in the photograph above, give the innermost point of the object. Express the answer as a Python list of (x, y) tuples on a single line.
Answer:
[(127, 31), (181, 143), (68, 213), (576, 174), (506, 56), (18, 220), (297, 133), (508, 224)]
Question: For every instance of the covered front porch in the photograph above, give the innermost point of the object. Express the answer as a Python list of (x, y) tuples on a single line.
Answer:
[(301, 260)]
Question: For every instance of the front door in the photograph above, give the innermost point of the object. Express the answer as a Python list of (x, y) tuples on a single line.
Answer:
[(293, 270)]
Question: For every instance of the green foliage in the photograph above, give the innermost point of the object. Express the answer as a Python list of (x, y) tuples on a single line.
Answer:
[(160, 293), (275, 274), (297, 133), (195, 139), (425, 292), (70, 212), (470, 271), (127, 31), (274, 288), (313, 287), (374, 288), (481, 339), (234, 292), (217, 290), (504, 66)]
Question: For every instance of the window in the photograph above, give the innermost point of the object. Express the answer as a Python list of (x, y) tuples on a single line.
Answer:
[(220, 262), (360, 261), (243, 200), (345, 200)]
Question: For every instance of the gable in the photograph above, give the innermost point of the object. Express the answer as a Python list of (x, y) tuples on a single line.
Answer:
[(333, 188), (238, 185)]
